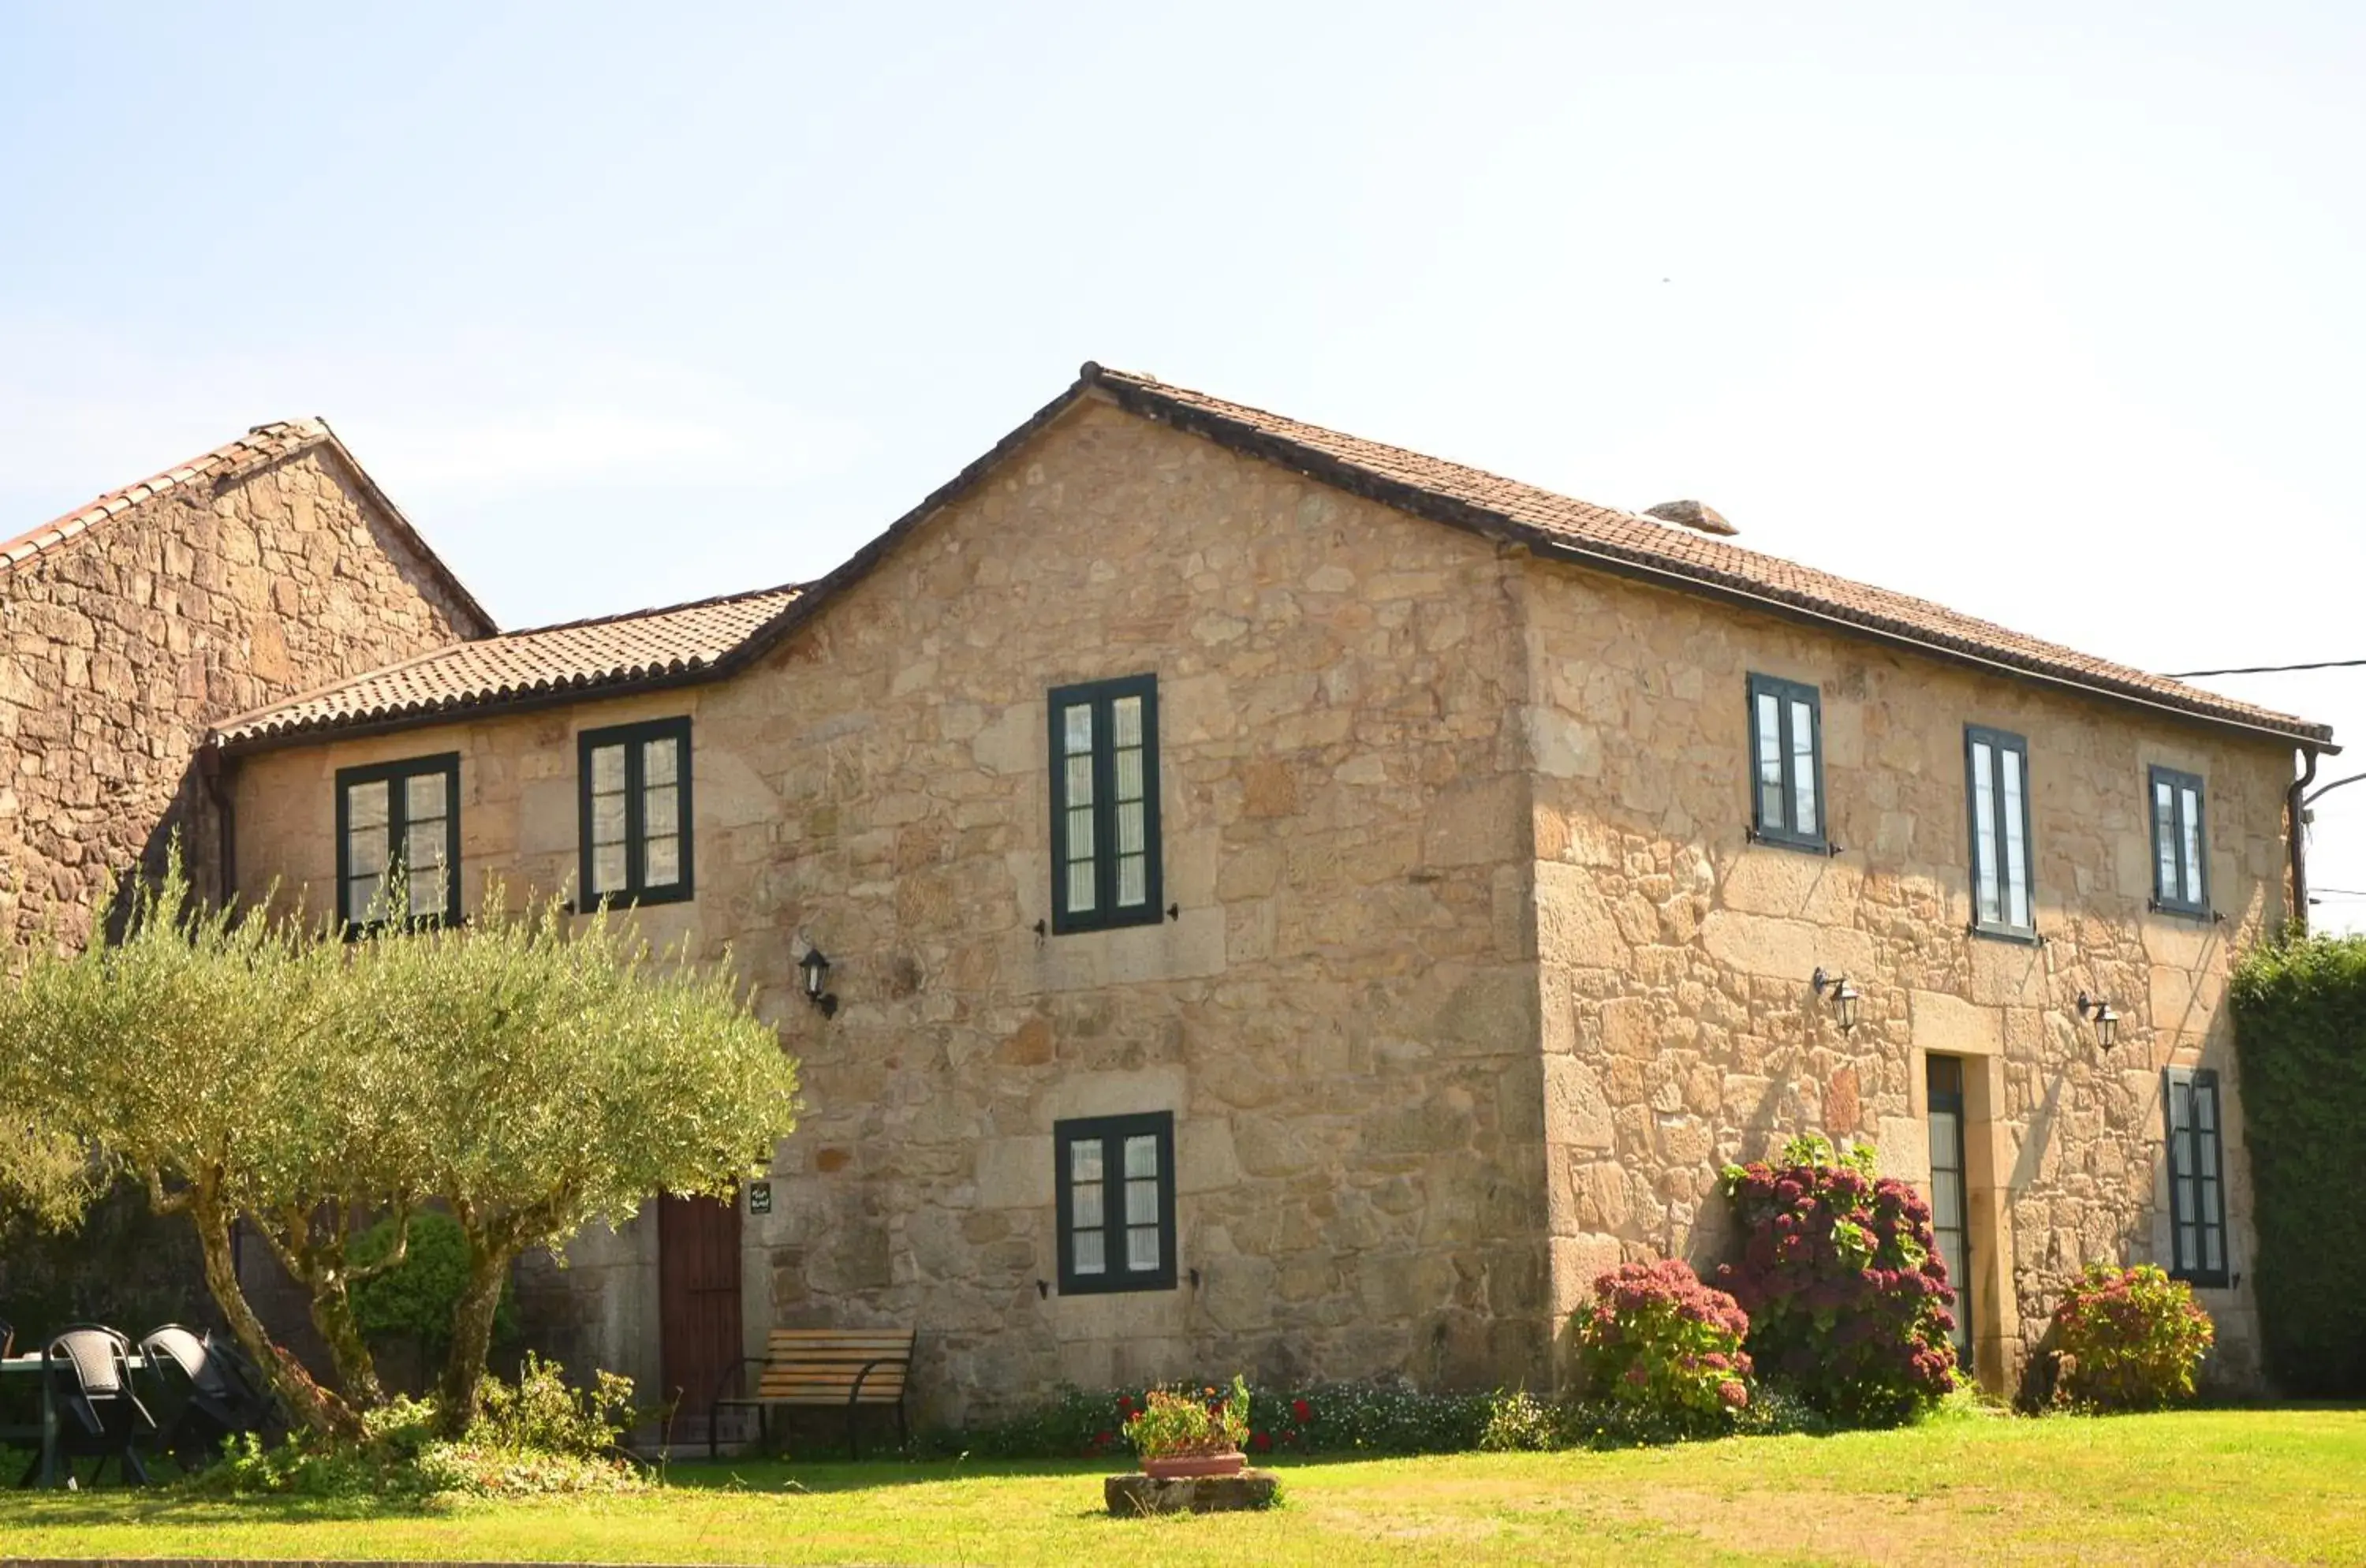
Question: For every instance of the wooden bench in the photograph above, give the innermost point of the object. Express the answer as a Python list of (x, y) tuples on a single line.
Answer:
[(825, 1367)]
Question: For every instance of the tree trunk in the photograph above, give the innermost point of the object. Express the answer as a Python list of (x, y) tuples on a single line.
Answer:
[(489, 1257), (332, 1315), (310, 1406)]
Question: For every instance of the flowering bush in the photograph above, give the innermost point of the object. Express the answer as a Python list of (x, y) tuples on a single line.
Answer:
[(1658, 1339), (1842, 1280), (2128, 1339), (1176, 1421)]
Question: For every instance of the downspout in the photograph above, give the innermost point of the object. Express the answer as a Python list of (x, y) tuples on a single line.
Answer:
[(2296, 828), (213, 776)]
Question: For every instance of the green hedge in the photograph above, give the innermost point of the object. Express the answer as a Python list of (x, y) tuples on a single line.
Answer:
[(2300, 1027)]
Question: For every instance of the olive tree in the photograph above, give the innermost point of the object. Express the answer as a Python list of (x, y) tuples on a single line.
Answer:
[(568, 1076), (190, 1054), (531, 1072), (46, 1178)]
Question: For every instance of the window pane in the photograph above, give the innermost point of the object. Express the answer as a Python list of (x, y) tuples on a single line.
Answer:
[(1085, 1206), (1085, 1160), (2192, 800), (2016, 849), (2163, 837), (608, 818), (1142, 1201), (1140, 1155), (422, 795), (607, 770), (607, 868), (426, 885), (1126, 721), (360, 892), (1132, 879), (1803, 767), (423, 847), (1770, 761), (365, 804), (1078, 730), (658, 760), (1081, 780), (1080, 833), (1130, 828), (2211, 1261), (1091, 1252), (1141, 1249), (661, 859), (1129, 774), (366, 851), (658, 808), (1992, 908), (1080, 887)]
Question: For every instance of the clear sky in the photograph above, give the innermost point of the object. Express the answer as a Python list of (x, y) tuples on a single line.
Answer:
[(2052, 312)]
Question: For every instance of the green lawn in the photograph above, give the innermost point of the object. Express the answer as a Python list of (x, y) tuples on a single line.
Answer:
[(2246, 1486)]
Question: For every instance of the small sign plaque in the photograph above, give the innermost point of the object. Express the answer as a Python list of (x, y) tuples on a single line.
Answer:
[(759, 1197)]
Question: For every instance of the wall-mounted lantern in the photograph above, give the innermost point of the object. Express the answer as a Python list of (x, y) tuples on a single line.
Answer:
[(814, 968), (1844, 998), (2102, 1015)]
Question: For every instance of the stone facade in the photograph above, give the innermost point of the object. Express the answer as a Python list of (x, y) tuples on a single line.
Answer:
[(1472, 980), (126, 641)]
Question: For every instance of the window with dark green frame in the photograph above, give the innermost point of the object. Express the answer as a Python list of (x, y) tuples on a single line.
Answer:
[(1786, 759), (398, 820), (2180, 873), (1105, 850), (1114, 1178), (2197, 1185), (632, 782), (1997, 786)]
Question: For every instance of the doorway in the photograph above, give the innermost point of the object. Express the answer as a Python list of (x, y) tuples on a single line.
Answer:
[(698, 1298), (1950, 1210)]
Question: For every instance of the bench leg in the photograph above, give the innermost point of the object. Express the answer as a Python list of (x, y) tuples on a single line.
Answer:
[(853, 1441), (903, 1436)]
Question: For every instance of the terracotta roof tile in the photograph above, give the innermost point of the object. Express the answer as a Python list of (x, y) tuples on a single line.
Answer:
[(259, 447), (1475, 497), (264, 443), (678, 641)]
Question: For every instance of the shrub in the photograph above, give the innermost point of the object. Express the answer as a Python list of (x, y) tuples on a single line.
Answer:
[(2128, 1339), (1177, 1421), (1843, 1282), (1519, 1422), (414, 1299), (2300, 1008), (538, 1437), (1663, 1343)]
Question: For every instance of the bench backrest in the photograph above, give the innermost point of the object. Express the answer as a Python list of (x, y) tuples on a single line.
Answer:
[(821, 1365)]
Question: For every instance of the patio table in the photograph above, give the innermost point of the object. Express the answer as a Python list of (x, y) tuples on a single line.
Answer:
[(34, 1366)]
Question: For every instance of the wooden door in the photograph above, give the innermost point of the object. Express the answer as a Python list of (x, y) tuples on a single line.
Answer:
[(698, 1296)]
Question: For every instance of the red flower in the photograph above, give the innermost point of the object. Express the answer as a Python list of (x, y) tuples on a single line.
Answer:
[(1103, 1439), (1260, 1441), (1301, 1410)]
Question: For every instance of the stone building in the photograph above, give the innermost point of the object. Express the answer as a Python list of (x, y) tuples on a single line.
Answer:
[(1294, 905), (243, 577)]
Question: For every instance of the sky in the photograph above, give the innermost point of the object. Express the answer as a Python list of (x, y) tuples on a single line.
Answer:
[(2052, 313)]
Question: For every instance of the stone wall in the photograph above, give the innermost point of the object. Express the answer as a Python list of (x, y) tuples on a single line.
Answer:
[(1342, 1018), (1679, 1030), (126, 642)]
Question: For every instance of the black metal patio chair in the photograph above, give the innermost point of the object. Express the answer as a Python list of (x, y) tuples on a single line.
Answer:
[(99, 1417), (211, 1398)]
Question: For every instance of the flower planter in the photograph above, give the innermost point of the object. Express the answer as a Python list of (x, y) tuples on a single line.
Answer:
[(1183, 1466)]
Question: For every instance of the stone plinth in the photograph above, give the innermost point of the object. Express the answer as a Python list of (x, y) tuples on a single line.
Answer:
[(1132, 1495)]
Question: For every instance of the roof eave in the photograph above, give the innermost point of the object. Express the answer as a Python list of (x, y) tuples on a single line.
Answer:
[(1324, 468)]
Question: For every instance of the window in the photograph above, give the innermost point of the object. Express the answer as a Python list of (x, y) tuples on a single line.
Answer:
[(1105, 867), (1786, 750), (1998, 789), (1115, 1179), (635, 812), (2197, 1190), (399, 817), (2180, 878)]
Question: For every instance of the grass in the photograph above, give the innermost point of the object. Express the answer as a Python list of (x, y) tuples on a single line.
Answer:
[(2211, 1486)]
